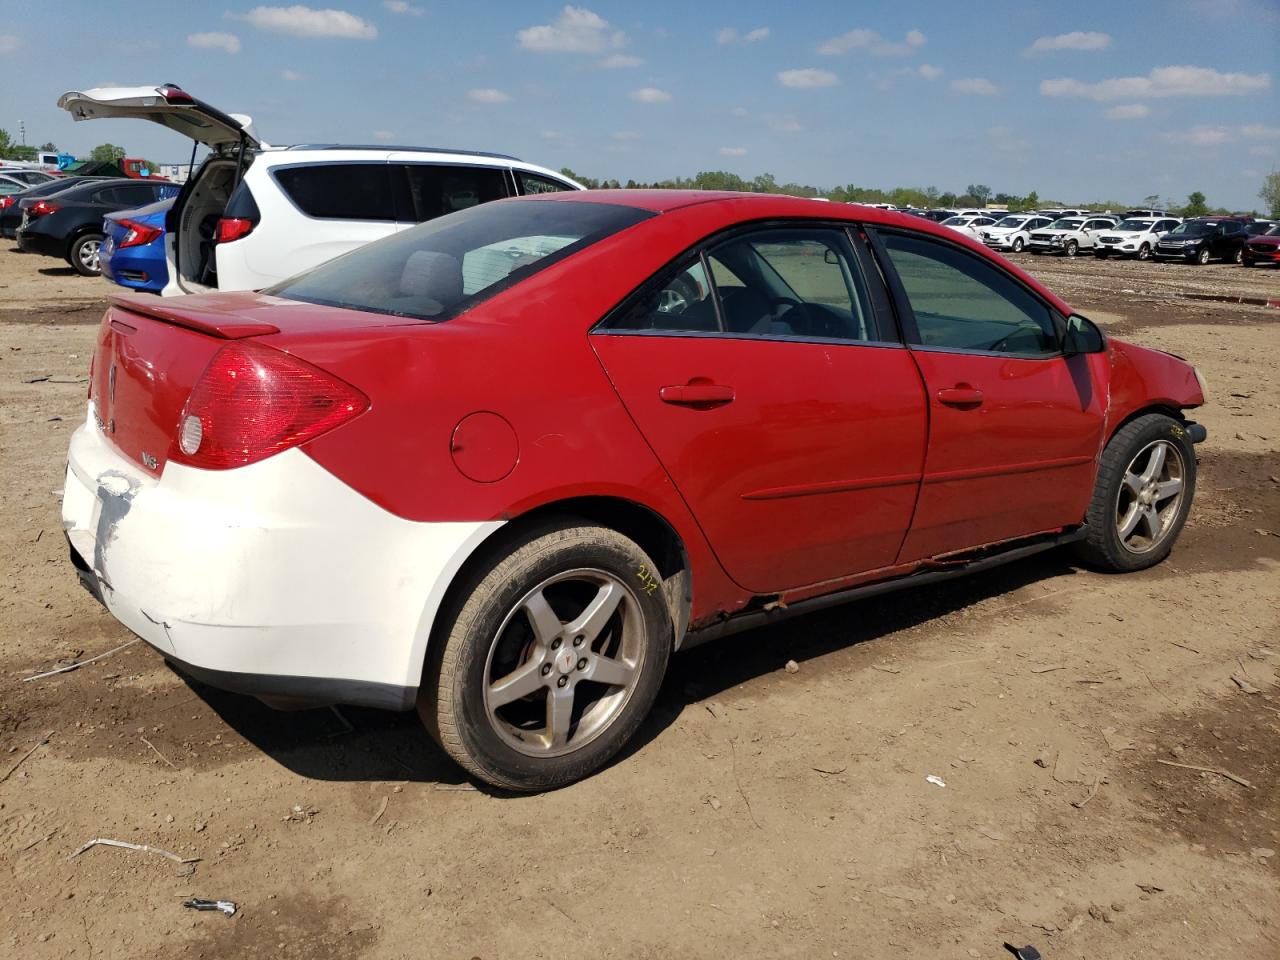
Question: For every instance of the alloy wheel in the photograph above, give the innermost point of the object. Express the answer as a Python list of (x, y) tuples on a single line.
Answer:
[(564, 663), (1150, 496), (88, 254)]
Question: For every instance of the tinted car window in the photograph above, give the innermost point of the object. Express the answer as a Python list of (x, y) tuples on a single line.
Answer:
[(438, 269), (532, 183), (138, 193), (962, 303), (435, 190), (680, 301), (339, 191)]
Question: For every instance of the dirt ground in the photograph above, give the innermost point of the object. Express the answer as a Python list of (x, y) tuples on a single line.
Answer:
[(762, 813)]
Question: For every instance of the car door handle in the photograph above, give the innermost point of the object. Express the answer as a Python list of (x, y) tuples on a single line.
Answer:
[(696, 394), (961, 395)]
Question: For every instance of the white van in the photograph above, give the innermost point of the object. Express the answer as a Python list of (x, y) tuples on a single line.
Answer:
[(253, 214)]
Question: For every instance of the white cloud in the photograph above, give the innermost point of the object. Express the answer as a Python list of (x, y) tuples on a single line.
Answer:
[(576, 30), (487, 95), (783, 123), (739, 112), (1128, 111), (869, 40), (730, 35), (619, 61), (303, 21), (928, 71), (1262, 151), (1076, 40), (733, 151), (808, 78), (1201, 136), (399, 6), (551, 135), (1258, 131), (383, 136), (624, 135), (9, 43), (215, 41), (290, 75), (980, 86), (649, 95), (1161, 82)]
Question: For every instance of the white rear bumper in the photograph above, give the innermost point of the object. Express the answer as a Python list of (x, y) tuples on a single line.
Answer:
[(274, 579)]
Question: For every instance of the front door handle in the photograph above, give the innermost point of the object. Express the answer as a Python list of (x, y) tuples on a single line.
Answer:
[(696, 394), (961, 395)]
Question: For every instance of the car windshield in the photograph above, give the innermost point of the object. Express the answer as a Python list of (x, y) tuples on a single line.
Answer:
[(438, 269), (1011, 222), (1066, 224), (1192, 229), (1135, 226), (956, 221), (1272, 231)]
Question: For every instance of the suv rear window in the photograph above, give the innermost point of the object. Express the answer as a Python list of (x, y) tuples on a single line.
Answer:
[(438, 269), (339, 191)]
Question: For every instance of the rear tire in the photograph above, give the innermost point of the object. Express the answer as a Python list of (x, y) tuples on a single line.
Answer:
[(1239, 257), (83, 255), (526, 690), (1146, 482)]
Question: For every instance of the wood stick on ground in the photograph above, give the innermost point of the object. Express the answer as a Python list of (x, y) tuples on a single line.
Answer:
[(733, 753), (142, 847), (1222, 773), (23, 758), (158, 753), (80, 663), (1093, 792)]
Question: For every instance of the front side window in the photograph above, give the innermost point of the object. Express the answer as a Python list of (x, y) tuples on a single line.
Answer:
[(962, 303), (438, 269), (339, 191), (532, 183)]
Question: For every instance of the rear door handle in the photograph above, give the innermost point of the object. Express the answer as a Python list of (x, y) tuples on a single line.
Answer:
[(696, 394), (961, 395)]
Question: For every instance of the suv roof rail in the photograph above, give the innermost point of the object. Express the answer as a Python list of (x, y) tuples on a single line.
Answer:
[(392, 146)]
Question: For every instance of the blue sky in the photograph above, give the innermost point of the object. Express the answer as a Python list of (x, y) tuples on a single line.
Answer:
[(1077, 100)]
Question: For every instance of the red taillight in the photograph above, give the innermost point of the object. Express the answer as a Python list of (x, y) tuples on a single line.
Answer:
[(233, 228), (137, 234), (41, 207), (6, 203), (253, 401)]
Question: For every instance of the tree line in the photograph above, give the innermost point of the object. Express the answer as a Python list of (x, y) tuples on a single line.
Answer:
[(974, 195)]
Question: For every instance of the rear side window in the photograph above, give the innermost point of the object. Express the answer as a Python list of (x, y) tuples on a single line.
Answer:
[(434, 190), (339, 191), (532, 183), (437, 270), (242, 206), (961, 303)]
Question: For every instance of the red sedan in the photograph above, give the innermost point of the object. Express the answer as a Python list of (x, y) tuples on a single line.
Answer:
[(501, 465)]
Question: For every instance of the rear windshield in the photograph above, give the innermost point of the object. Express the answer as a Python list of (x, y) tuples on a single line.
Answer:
[(438, 269)]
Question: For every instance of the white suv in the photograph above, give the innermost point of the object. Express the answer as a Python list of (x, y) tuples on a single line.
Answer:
[(1012, 232), (1070, 235), (253, 214), (1133, 238)]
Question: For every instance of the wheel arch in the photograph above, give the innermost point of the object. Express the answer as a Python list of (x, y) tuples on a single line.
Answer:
[(80, 231), (650, 530), (1167, 409)]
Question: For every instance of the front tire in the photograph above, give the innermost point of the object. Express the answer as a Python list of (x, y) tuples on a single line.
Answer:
[(1239, 257), (83, 255), (1144, 252), (1071, 249), (1203, 257), (553, 657), (1146, 482), (1018, 244)]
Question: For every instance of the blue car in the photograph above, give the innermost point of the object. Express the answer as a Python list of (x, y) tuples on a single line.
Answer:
[(132, 253)]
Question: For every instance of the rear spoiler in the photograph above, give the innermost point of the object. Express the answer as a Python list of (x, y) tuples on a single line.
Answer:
[(181, 312)]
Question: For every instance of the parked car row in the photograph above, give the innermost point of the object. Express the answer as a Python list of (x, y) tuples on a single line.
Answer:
[(1140, 234)]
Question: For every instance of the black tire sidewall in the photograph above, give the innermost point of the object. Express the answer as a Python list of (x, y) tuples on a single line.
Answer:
[(73, 256), (1103, 548), (490, 757)]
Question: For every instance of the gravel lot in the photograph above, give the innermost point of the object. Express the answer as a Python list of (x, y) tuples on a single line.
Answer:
[(762, 813)]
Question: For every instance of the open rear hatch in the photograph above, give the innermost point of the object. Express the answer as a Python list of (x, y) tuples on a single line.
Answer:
[(168, 106)]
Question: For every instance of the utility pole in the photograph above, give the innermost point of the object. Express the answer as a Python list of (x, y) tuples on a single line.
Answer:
[(22, 131)]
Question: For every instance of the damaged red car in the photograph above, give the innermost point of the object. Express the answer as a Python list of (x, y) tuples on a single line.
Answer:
[(501, 466)]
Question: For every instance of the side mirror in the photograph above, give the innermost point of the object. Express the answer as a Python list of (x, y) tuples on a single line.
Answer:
[(1082, 336)]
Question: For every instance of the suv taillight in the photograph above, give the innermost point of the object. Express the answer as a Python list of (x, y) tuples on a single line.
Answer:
[(233, 228), (137, 234), (253, 401), (41, 207)]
